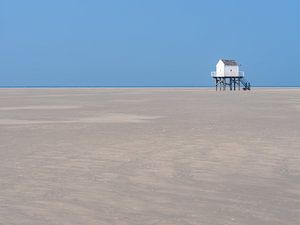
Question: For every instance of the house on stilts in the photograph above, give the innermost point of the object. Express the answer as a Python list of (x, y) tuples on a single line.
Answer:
[(228, 74)]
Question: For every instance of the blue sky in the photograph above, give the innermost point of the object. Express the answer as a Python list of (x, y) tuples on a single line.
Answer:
[(146, 43)]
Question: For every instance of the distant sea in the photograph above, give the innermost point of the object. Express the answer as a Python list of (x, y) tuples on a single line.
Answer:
[(137, 86)]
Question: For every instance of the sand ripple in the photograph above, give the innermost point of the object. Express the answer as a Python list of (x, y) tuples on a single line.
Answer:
[(108, 118)]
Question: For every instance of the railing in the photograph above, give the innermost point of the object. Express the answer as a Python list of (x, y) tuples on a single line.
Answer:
[(214, 74)]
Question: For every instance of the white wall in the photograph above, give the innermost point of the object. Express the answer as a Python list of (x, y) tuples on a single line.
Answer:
[(231, 71), (223, 70), (220, 68)]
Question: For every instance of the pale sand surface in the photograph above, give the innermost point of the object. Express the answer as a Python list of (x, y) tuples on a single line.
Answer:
[(149, 156)]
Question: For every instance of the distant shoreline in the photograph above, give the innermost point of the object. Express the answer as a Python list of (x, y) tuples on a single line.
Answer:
[(259, 87)]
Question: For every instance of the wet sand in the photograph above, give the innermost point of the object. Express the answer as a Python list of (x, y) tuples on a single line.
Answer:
[(149, 156)]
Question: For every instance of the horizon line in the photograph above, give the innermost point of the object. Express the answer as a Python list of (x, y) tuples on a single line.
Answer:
[(135, 86)]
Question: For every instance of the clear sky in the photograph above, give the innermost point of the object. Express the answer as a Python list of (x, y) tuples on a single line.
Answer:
[(147, 43)]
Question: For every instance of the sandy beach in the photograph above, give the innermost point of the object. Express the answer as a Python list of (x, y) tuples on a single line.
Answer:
[(135, 156)]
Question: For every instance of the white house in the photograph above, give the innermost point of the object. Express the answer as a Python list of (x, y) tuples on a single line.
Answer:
[(228, 74), (227, 68)]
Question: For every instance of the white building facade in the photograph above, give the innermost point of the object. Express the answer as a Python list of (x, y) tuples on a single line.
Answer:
[(227, 68), (228, 74)]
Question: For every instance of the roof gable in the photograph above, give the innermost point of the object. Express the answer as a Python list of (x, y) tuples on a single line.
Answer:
[(229, 62)]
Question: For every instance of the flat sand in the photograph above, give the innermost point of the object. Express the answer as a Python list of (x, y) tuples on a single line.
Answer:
[(149, 156)]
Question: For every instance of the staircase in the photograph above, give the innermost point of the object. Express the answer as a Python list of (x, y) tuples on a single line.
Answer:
[(246, 84)]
